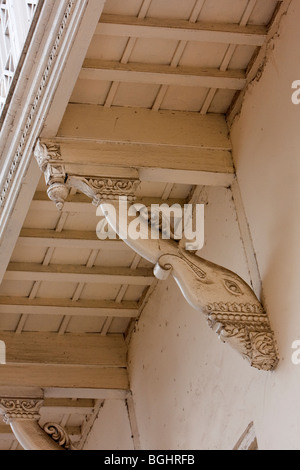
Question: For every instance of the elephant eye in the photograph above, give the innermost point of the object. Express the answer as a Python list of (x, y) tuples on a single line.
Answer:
[(232, 287)]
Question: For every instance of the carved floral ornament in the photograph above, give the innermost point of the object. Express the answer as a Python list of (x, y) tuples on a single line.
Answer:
[(18, 408), (229, 304)]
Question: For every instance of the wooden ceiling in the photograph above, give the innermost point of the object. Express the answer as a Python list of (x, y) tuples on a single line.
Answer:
[(68, 299)]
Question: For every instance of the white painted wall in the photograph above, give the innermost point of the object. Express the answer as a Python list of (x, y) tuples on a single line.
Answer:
[(266, 142), (190, 391)]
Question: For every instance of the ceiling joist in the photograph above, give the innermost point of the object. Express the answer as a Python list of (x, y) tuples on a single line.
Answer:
[(181, 30), (170, 147), (64, 376), (69, 349), (78, 273), (68, 307), (94, 69)]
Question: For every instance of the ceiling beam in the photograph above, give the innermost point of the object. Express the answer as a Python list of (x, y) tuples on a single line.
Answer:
[(44, 204), (64, 376), (181, 30), (94, 69), (68, 307), (68, 349), (68, 239), (141, 126), (163, 163), (86, 393), (166, 146), (82, 203), (78, 273), (68, 406)]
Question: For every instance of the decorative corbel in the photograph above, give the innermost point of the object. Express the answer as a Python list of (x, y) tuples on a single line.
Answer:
[(227, 301), (50, 162), (23, 415)]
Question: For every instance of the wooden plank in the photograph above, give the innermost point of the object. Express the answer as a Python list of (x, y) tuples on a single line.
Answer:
[(68, 406), (85, 201), (147, 156), (94, 69), (68, 349), (176, 147), (68, 307), (62, 376), (77, 273), (135, 125), (197, 178), (181, 30), (68, 239), (85, 393)]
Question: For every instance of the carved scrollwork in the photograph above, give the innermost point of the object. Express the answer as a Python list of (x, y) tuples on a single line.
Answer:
[(105, 189), (59, 435), (45, 154), (246, 327), (17, 408), (48, 157)]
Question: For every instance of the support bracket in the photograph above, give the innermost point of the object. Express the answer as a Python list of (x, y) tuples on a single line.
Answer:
[(227, 301), (23, 415)]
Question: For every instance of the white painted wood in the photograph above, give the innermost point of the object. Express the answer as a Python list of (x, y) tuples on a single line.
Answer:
[(48, 348), (89, 422), (205, 178), (162, 75), (229, 54), (133, 422), (247, 239), (18, 215), (180, 30), (148, 156), (136, 125), (126, 55), (89, 308), (32, 97), (142, 139), (76, 273), (62, 376), (81, 33), (85, 393), (67, 239), (67, 406), (178, 55)]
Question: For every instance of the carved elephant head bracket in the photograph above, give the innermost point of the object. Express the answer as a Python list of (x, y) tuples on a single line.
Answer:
[(227, 301)]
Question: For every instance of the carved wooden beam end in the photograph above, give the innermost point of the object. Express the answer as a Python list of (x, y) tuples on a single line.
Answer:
[(51, 164), (23, 415), (20, 408), (228, 302)]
